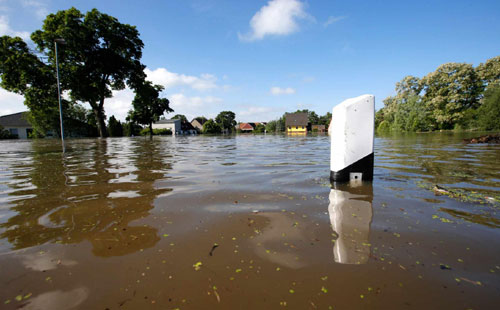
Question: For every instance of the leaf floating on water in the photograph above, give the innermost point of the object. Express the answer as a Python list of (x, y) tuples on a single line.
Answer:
[(19, 297), (324, 290), (238, 270), (324, 278), (291, 291), (165, 235), (444, 267), (197, 266)]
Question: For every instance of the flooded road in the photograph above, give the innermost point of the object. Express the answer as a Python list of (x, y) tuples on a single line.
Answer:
[(247, 222)]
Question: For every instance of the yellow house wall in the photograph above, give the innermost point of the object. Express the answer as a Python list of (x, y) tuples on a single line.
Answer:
[(300, 129)]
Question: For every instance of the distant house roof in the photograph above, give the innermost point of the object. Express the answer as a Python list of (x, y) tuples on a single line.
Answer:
[(186, 126), (199, 120), (167, 121), (246, 126), (14, 120), (296, 119)]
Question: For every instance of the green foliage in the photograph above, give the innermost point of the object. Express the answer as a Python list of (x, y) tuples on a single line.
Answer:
[(384, 127), (115, 127), (211, 127), (448, 98), (156, 132), (325, 120), (449, 91), (272, 126), (226, 120), (181, 117), (5, 134), (259, 128), (131, 129), (489, 112), (489, 72), (147, 104)]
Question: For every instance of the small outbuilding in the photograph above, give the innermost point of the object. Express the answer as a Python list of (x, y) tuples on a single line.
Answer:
[(174, 125)]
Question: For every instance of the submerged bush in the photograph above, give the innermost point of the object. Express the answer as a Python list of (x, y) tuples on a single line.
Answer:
[(157, 132)]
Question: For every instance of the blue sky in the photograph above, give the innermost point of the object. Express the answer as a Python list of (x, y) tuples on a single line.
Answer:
[(263, 58)]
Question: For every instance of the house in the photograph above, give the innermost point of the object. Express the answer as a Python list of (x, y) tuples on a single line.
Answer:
[(246, 127), (197, 123), (296, 123), (17, 124), (187, 128), (318, 128), (173, 124)]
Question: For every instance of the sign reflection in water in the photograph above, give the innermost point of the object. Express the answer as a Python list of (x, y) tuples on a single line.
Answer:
[(351, 214)]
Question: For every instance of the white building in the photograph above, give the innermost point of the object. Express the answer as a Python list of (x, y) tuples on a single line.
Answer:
[(173, 124), (16, 124)]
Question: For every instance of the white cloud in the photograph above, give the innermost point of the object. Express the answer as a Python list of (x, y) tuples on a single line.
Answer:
[(195, 106), (119, 104), (282, 91), (171, 79), (333, 19), (5, 29), (11, 103), (39, 7), (278, 17)]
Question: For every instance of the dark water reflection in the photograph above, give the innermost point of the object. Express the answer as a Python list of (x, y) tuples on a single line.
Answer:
[(122, 223), (91, 193)]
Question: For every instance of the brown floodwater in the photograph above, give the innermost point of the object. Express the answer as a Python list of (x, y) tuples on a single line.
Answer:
[(248, 222)]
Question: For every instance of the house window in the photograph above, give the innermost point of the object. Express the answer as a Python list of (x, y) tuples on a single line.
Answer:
[(13, 131), (296, 127), (302, 127)]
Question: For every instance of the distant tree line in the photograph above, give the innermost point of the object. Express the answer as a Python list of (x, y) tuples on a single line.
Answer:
[(455, 96)]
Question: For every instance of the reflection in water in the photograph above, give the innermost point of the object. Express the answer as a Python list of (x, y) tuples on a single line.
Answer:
[(70, 196), (58, 300), (351, 213)]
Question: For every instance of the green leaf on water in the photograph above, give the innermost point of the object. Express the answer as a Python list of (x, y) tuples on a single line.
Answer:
[(197, 266), (324, 290)]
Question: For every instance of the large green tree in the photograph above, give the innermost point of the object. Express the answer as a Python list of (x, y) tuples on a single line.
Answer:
[(226, 120), (115, 127), (100, 55), (148, 106), (450, 91), (211, 127)]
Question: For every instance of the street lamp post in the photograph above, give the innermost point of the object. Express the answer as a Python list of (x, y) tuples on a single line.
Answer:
[(60, 41)]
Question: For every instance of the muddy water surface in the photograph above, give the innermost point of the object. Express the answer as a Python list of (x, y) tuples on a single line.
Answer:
[(247, 222)]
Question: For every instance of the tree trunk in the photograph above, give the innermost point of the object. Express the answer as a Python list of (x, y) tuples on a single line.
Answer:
[(151, 131), (101, 125)]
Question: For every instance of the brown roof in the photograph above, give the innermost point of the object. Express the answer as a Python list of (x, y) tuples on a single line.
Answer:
[(14, 120), (246, 126), (186, 126), (296, 119)]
